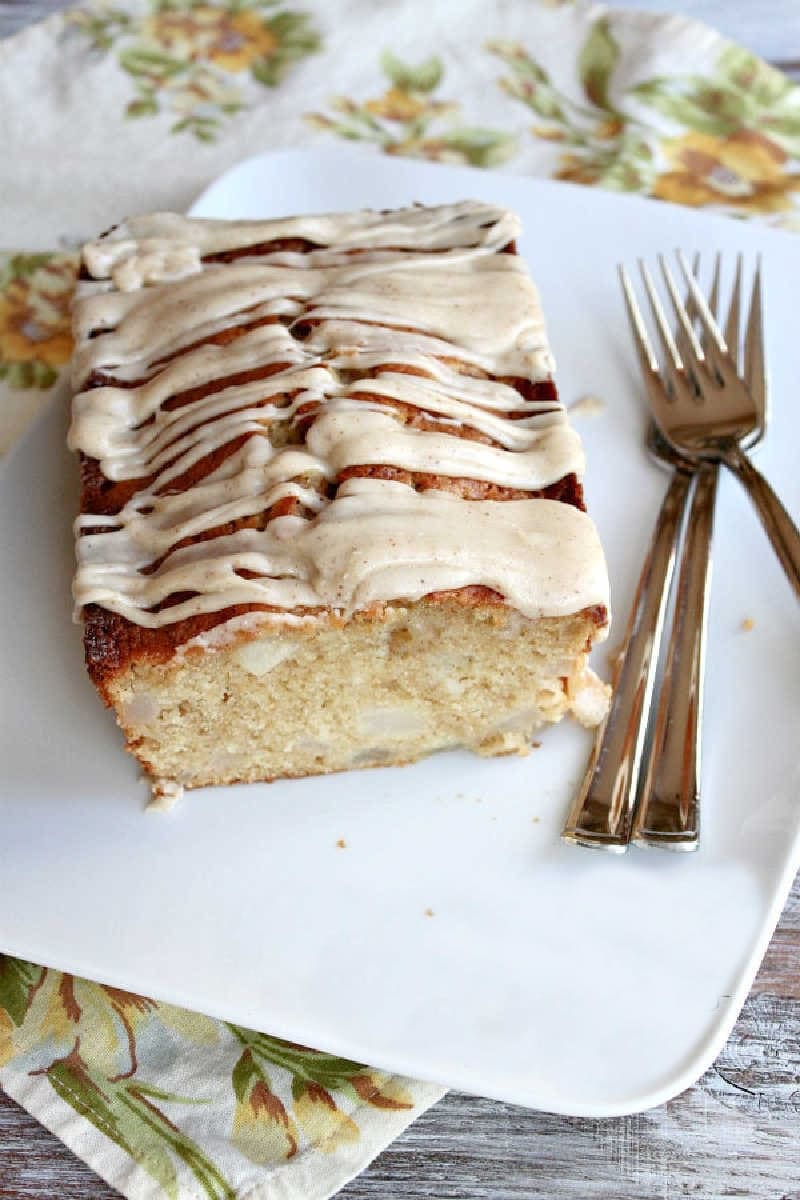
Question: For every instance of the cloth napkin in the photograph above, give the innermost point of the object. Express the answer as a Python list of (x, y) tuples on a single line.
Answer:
[(119, 108)]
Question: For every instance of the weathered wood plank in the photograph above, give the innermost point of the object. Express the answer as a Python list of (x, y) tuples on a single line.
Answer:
[(780, 970), (35, 1165)]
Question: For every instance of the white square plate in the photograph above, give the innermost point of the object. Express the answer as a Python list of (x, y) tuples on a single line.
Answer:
[(548, 976)]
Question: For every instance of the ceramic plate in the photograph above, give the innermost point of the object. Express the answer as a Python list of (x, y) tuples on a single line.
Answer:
[(547, 975)]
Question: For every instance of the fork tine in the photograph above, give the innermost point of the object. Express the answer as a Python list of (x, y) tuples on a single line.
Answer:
[(680, 311), (659, 316), (713, 295), (683, 347), (732, 323), (687, 299), (644, 347), (755, 369), (710, 327)]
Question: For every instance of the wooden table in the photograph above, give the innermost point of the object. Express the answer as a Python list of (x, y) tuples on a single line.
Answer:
[(735, 1133)]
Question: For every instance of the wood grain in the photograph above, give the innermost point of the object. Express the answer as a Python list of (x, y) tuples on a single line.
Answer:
[(736, 1133)]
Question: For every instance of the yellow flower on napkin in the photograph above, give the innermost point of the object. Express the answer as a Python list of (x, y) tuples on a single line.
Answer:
[(262, 1128), (321, 1120), (398, 104), (734, 129), (182, 59), (244, 39), (102, 1021), (407, 120), (381, 1090), (743, 171), (35, 337), (232, 39), (265, 1129)]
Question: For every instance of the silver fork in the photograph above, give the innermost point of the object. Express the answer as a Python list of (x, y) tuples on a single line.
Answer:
[(667, 808), (601, 816), (704, 407), (700, 373), (602, 812), (667, 812)]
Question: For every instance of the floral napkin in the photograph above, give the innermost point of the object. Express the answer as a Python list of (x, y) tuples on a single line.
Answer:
[(118, 108)]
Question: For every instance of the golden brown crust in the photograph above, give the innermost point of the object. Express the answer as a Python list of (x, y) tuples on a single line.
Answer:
[(111, 642)]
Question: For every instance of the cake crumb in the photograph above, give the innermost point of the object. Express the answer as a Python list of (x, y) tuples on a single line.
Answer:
[(591, 698), (536, 745), (341, 844), (535, 820), (429, 912), (747, 624), (587, 406), (165, 795)]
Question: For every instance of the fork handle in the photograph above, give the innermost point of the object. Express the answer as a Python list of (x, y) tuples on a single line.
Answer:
[(602, 812), (668, 810), (781, 529)]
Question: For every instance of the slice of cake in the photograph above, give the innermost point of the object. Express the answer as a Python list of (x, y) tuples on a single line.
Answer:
[(331, 510)]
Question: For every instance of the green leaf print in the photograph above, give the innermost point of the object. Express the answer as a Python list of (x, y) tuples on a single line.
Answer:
[(101, 27), (138, 60), (21, 266), (328, 1070), (294, 39), (409, 119), (425, 77), (734, 128), (597, 62), (18, 980), (266, 72), (73, 1082), (198, 63), (245, 1075), (123, 1112), (742, 70), (529, 82), (481, 147), (691, 109), (145, 106)]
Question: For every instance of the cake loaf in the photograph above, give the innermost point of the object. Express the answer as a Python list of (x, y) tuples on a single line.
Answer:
[(331, 510)]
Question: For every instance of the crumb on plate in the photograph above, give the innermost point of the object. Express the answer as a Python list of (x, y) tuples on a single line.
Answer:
[(588, 405), (164, 796)]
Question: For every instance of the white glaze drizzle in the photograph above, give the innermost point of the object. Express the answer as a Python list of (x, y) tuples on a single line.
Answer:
[(462, 306)]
